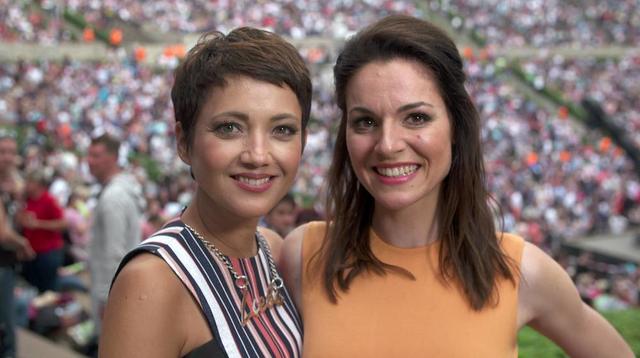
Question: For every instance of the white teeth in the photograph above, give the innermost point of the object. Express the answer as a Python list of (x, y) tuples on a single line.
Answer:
[(253, 182), (397, 171)]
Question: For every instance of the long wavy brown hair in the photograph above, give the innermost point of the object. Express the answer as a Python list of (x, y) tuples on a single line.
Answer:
[(470, 251)]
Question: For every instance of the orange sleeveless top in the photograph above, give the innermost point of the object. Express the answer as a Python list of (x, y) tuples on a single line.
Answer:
[(394, 316)]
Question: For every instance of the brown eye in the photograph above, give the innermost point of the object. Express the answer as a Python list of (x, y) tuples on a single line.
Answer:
[(417, 119), (363, 124), (284, 131)]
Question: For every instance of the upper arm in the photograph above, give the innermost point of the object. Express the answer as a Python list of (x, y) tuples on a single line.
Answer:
[(290, 264), (550, 303), (142, 316)]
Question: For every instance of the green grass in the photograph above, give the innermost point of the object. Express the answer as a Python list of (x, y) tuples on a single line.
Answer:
[(532, 344)]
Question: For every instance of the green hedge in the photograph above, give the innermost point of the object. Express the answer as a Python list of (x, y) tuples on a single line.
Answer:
[(551, 94), (80, 22)]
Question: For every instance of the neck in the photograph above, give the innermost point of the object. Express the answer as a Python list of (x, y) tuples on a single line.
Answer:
[(107, 178), (408, 227), (234, 236)]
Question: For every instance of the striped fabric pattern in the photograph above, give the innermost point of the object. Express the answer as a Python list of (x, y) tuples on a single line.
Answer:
[(276, 332)]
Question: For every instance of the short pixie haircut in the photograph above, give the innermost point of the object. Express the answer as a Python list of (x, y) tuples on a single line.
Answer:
[(246, 51)]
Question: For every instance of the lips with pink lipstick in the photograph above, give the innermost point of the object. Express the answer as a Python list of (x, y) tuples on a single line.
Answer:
[(253, 182), (397, 173)]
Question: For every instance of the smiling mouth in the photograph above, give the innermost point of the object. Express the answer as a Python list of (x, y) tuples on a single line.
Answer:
[(396, 172), (253, 181)]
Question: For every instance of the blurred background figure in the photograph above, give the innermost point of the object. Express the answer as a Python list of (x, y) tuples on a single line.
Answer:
[(42, 221), (117, 219), (282, 218), (13, 247), (77, 234)]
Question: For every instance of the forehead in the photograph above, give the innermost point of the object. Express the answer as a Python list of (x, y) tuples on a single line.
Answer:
[(393, 81), (246, 93), (97, 148)]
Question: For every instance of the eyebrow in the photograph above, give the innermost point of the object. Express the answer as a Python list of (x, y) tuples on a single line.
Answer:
[(400, 109), (243, 117), (409, 106)]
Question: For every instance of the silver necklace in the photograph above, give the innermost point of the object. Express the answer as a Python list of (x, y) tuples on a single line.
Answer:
[(251, 305)]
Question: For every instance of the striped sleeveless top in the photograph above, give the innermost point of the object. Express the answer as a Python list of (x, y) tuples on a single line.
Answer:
[(275, 332)]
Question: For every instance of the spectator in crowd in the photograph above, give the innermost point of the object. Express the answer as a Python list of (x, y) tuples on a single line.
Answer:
[(207, 282), (410, 243), (42, 222), (117, 218), (282, 217), (13, 246), (78, 231)]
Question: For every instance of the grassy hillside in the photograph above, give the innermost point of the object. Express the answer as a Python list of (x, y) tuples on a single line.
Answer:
[(533, 345)]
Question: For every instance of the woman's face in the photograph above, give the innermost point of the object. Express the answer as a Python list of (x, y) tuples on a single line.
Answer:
[(398, 133), (246, 147)]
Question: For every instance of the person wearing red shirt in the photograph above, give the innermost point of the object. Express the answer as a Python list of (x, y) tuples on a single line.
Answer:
[(42, 222)]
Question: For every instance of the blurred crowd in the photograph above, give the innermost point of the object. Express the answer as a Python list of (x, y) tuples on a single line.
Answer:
[(40, 21), (613, 82), (552, 178), (512, 23), (26, 21), (538, 23)]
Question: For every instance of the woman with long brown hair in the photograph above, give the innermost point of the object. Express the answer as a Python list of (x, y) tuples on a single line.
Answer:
[(409, 261)]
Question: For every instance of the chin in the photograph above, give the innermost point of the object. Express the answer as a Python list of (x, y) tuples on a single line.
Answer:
[(394, 204), (252, 210)]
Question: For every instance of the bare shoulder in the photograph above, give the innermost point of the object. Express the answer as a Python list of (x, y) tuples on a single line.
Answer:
[(292, 246), (542, 279), (273, 239), (149, 273), (145, 303), (290, 263), (297, 235)]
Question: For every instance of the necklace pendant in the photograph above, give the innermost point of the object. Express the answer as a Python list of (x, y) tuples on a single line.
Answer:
[(245, 307), (255, 305), (274, 298)]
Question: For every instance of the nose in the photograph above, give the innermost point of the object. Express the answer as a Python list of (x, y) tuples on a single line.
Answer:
[(257, 152), (391, 139)]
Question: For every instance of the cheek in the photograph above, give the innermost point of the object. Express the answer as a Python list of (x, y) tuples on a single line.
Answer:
[(214, 153), (357, 147), (435, 148), (288, 154)]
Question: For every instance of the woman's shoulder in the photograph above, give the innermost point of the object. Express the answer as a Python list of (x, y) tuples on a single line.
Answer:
[(512, 244), (145, 272), (310, 234), (146, 301)]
